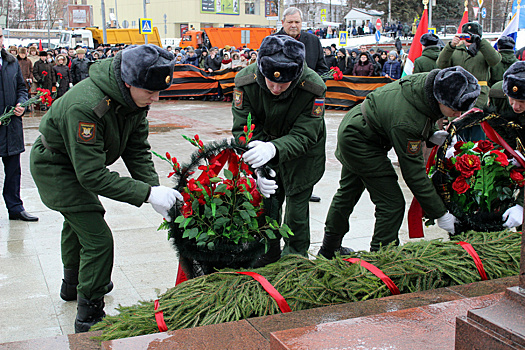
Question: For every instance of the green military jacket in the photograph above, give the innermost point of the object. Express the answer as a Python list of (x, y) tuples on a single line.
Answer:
[(293, 122), (427, 61), (496, 72), (399, 115), (86, 130), (478, 65)]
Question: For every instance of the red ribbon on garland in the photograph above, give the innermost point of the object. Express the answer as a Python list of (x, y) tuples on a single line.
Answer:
[(281, 302), (479, 265), (159, 317), (376, 271)]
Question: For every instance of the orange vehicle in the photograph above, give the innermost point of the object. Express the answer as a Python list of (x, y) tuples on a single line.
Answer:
[(234, 36)]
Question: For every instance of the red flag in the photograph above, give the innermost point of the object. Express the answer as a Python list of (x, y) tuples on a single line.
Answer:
[(464, 20), (40, 45), (416, 47)]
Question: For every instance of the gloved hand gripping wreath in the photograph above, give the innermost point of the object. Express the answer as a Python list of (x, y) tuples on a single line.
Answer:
[(222, 221), (475, 179)]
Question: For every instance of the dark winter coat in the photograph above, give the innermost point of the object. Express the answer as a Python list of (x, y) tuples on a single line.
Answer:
[(427, 61), (27, 69), (345, 64), (12, 91), (213, 63), (80, 69), (63, 83), (44, 80), (192, 60), (363, 69), (293, 122), (314, 55), (392, 68), (86, 130), (507, 59), (399, 115), (330, 61)]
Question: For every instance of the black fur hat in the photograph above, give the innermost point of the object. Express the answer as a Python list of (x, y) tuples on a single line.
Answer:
[(456, 88), (42, 54), (429, 39), (472, 28), (506, 43), (514, 81), (281, 58), (147, 67)]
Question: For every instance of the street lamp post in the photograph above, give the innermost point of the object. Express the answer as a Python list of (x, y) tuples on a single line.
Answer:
[(145, 16), (104, 32)]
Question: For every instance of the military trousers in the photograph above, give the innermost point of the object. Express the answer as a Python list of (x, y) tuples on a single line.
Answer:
[(296, 216), (387, 197), (87, 245)]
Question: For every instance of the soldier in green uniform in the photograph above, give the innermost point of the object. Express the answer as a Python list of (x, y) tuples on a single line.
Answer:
[(286, 101), (427, 61), (476, 55), (399, 115), (505, 46), (101, 119), (507, 97)]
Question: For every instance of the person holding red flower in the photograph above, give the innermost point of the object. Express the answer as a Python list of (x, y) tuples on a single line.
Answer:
[(398, 116), (62, 76), (285, 100), (43, 74)]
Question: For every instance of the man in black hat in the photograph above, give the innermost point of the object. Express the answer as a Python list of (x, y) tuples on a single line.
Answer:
[(80, 66), (371, 129), (507, 97), (505, 46), (427, 61), (286, 101), (476, 55), (101, 119), (43, 74)]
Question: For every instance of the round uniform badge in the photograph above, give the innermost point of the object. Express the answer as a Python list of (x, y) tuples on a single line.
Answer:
[(168, 79), (514, 89), (277, 74)]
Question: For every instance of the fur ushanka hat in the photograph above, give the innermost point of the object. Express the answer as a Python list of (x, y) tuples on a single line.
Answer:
[(147, 67), (281, 58), (456, 88), (472, 28), (429, 39), (506, 43), (514, 81)]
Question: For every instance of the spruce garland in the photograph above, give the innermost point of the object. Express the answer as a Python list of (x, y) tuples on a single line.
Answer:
[(226, 296)]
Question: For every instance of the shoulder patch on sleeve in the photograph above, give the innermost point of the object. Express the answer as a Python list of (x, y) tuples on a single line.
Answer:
[(413, 146), (102, 107), (318, 108), (237, 98), (86, 133), (246, 79), (312, 87)]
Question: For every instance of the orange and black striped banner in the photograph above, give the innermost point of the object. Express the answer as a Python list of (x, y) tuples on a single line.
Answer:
[(189, 80)]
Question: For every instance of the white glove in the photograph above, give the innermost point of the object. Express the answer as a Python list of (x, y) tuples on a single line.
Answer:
[(260, 153), (57, 84), (451, 150), (513, 216), (446, 222), (514, 161), (438, 137), (70, 85), (162, 199), (267, 187)]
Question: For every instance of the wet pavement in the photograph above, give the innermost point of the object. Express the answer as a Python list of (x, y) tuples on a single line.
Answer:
[(145, 263)]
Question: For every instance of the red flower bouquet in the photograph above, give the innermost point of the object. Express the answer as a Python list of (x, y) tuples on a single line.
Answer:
[(334, 73), (42, 96), (480, 184), (222, 214)]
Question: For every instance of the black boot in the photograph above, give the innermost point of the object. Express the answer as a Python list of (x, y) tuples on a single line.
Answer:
[(68, 291), (272, 255), (332, 245), (89, 312)]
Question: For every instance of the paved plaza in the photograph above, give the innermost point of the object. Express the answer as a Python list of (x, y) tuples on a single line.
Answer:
[(145, 262)]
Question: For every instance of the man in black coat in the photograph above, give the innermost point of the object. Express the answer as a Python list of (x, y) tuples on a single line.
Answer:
[(13, 92), (80, 67), (292, 23)]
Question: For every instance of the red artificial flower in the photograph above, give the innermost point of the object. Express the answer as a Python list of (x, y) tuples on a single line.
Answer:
[(44, 73), (187, 209), (186, 196), (467, 164), (448, 164), (196, 137), (460, 185), (60, 75), (242, 139), (457, 147), (171, 174), (517, 177), (246, 128), (168, 155), (483, 146), (500, 158), (192, 186), (250, 135), (252, 127)]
